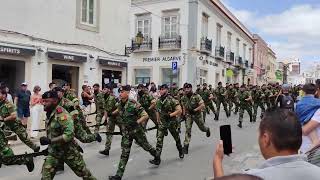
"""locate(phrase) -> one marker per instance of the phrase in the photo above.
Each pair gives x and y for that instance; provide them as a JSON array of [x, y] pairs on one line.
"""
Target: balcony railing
[[173, 43], [206, 45], [220, 52], [230, 57], [145, 46]]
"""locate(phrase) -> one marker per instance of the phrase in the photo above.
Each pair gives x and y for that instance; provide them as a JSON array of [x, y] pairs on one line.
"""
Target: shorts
[[23, 112]]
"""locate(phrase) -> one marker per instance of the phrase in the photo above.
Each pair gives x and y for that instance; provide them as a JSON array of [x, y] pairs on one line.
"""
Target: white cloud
[[293, 33]]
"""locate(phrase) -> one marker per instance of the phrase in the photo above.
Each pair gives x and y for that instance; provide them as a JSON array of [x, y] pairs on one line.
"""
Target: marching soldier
[[148, 103], [231, 97], [99, 102], [111, 119], [174, 90], [207, 98], [168, 109], [9, 115], [244, 104], [60, 140], [220, 93], [192, 106], [258, 101], [268, 94], [69, 93], [132, 117]]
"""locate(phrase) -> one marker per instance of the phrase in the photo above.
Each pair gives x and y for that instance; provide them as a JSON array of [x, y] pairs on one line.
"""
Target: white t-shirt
[[306, 142]]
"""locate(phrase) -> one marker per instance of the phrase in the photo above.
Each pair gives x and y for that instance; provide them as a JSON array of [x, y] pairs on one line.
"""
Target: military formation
[[65, 121]]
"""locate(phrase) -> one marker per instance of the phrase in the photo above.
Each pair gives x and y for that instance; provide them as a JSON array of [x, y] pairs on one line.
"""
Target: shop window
[[169, 77], [142, 76]]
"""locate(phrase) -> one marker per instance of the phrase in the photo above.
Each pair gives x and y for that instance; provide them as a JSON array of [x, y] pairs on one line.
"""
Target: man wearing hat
[[22, 102], [9, 116], [132, 117], [244, 104], [60, 140], [207, 97], [148, 102], [168, 109], [111, 119], [193, 106], [221, 99], [174, 90]]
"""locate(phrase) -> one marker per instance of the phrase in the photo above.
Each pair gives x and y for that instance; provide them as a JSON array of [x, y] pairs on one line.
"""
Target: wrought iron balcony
[[173, 43], [206, 45], [145, 46], [230, 57], [220, 52]]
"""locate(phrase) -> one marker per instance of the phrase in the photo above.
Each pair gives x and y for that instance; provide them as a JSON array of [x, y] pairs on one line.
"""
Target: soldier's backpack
[[287, 102]]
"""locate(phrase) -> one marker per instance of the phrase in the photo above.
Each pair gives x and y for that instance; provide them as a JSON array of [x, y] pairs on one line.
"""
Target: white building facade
[[79, 42], [202, 37]]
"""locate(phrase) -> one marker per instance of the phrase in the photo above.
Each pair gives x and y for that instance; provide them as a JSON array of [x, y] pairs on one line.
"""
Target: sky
[[290, 27]]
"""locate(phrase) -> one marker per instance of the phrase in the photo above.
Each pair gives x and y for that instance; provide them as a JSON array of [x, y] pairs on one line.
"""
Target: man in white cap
[[22, 101]]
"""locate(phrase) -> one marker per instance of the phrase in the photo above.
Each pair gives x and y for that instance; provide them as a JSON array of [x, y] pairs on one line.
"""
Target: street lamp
[[135, 45]]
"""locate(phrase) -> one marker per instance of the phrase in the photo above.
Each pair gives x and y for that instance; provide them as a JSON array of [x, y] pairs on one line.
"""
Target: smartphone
[[225, 136]]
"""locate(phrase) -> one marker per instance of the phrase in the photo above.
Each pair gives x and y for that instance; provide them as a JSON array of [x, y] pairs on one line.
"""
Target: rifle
[[36, 154], [120, 133]]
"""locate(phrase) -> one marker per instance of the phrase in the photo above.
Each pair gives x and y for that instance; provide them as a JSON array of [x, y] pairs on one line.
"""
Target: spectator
[[86, 96], [239, 177], [9, 97], [280, 137], [36, 110], [22, 102], [309, 110], [285, 99], [52, 85], [133, 94]]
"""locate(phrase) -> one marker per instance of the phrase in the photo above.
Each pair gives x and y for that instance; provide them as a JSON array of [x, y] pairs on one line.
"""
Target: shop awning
[[106, 62], [71, 57], [18, 51]]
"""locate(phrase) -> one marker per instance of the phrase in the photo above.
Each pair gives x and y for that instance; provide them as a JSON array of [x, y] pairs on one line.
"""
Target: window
[[250, 54], [88, 15], [238, 47], [204, 28], [168, 77], [219, 27], [229, 41], [88, 11], [142, 76], [203, 76], [170, 26], [144, 26], [244, 51]]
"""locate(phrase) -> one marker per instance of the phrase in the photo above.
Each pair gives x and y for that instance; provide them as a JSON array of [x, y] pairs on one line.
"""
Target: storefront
[[66, 68], [112, 72], [14, 66]]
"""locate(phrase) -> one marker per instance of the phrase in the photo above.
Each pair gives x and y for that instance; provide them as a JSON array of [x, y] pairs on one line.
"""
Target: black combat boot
[[186, 149], [252, 120], [216, 117], [180, 149], [104, 152], [208, 133], [30, 164], [98, 137], [240, 124], [156, 161], [116, 177]]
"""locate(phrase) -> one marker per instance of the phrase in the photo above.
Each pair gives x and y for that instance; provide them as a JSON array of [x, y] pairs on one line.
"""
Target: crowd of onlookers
[[288, 141]]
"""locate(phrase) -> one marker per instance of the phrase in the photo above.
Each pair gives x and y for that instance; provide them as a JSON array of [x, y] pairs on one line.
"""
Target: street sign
[[174, 67]]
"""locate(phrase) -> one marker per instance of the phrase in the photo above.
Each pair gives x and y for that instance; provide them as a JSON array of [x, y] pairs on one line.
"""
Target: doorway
[[62, 74], [12, 74], [111, 77]]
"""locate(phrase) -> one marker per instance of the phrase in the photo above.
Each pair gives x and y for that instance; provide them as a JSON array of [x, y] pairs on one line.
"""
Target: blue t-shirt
[[23, 99]]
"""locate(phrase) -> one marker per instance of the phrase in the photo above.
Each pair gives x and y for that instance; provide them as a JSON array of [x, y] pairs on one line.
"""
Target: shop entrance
[[12, 73], [66, 74], [111, 77]]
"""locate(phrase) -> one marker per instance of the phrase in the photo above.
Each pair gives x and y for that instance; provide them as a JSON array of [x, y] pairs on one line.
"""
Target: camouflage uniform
[[208, 103], [258, 101], [220, 99], [129, 113], [189, 104], [70, 94], [99, 101], [174, 92], [8, 109], [267, 101], [145, 101], [164, 107], [60, 126], [6, 154], [231, 98], [81, 117], [244, 105], [110, 106]]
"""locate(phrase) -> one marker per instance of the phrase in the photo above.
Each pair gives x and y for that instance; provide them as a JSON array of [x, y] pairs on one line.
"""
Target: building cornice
[[146, 2]]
